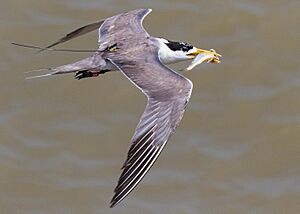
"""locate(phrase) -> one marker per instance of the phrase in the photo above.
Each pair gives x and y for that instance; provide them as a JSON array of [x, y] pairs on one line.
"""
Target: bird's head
[[172, 52]]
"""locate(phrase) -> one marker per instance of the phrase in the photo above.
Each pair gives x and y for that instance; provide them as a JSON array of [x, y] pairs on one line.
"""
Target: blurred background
[[237, 150]]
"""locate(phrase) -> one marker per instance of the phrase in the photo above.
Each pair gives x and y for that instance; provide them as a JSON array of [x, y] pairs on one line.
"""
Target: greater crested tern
[[124, 45]]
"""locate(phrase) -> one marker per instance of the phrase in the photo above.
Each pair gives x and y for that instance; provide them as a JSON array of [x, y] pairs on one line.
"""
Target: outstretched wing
[[112, 25], [168, 94]]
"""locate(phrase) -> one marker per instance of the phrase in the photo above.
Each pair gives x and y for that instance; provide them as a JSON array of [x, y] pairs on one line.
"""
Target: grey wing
[[168, 94], [109, 26], [78, 32], [123, 26], [155, 127]]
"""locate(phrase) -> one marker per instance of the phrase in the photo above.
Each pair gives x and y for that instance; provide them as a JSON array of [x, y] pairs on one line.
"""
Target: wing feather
[[168, 94], [108, 27], [76, 33]]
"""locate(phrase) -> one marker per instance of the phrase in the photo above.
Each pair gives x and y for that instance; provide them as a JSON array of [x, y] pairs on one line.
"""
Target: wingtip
[[113, 203], [149, 10], [115, 200]]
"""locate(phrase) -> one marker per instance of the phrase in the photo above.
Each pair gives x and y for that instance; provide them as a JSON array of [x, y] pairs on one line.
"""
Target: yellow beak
[[213, 56]]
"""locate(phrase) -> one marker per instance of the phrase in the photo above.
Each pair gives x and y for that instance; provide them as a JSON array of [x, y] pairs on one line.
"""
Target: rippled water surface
[[236, 151]]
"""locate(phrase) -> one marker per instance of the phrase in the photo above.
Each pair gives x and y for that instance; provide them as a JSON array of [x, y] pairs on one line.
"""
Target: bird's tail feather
[[43, 75], [91, 63]]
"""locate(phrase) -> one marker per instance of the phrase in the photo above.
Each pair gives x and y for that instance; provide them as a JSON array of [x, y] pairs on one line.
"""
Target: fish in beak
[[201, 55]]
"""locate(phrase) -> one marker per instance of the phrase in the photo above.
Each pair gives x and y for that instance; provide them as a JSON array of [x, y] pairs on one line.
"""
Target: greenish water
[[236, 150]]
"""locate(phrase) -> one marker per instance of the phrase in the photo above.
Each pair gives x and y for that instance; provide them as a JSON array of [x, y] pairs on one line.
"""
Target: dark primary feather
[[78, 32], [157, 123]]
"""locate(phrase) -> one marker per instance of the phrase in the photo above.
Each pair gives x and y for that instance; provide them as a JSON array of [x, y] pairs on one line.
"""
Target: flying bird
[[124, 45]]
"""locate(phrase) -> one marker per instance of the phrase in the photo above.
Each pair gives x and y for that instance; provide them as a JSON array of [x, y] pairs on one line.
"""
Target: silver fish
[[210, 57]]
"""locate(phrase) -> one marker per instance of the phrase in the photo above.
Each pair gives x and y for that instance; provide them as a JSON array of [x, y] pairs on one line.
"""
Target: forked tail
[[93, 63]]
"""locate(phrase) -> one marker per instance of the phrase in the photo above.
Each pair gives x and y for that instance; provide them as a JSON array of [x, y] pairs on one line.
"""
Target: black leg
[[87, 73]]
